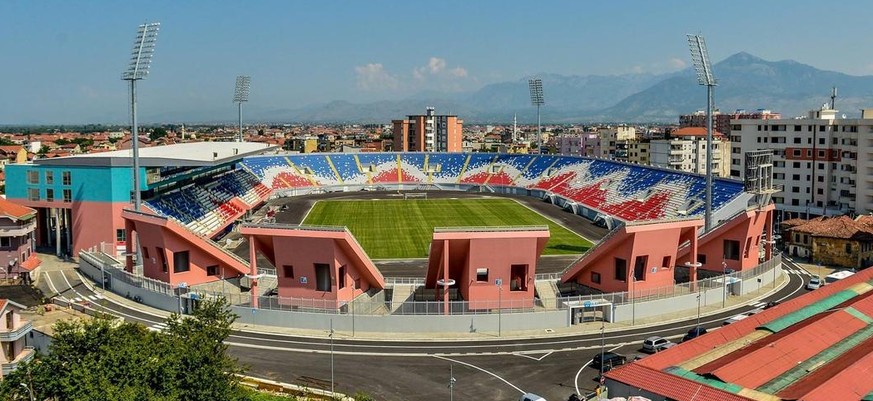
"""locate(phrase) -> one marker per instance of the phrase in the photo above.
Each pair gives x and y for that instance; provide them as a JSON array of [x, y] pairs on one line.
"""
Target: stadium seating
[[626, 191]]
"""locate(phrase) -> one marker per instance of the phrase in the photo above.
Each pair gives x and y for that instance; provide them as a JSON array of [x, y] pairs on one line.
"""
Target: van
[[531, 397], [837, 276]]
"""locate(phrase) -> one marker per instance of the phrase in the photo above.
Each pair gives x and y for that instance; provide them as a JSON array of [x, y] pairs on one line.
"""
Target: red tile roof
[[14, 210], [836, 227], [31, 263], [668, 385], [693, 131]]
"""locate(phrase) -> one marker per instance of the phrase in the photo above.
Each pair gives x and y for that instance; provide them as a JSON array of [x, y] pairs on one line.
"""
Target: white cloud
[[436, 65], [373, 77], [458, 72], [677, 63]]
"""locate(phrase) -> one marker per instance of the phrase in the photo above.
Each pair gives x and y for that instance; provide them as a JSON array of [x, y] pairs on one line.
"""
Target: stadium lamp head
[[241, 92], [700, 59], [141, 54], [536, 91]]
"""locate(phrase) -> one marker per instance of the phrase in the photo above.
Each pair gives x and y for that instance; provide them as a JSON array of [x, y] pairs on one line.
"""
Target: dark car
[[694, 333], [771, 304], [610, 360]]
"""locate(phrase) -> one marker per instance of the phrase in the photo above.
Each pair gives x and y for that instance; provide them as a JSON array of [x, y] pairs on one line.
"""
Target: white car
[[741, 316], [654, 344], [531, 397], [814, 283]]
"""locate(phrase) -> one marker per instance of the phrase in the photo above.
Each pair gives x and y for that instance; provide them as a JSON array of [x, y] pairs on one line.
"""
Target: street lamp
[[240, 95], [140, 60], [698, 307], [700, 59], [452, 382], [536, 99], [29, 391], [499, 283], [602, 342], [331, 357], [725, 278]]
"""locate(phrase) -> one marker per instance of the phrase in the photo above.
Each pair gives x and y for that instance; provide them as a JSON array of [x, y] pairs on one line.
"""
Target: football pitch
[[399, 229]]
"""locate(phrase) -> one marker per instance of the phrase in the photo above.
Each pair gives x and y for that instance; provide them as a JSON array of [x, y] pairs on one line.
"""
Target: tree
[[105, 359], [158, 132]]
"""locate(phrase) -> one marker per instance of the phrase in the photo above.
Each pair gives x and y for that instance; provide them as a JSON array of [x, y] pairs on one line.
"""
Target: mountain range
[[744, 82]]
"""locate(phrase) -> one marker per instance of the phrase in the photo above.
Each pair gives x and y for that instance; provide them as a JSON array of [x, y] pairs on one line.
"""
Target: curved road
[[499, 369]]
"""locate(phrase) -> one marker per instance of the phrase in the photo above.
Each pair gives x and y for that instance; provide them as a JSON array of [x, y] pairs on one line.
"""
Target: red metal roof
[[663, 383], [847, 377], [14, 210], [31, 263], [776, 357]]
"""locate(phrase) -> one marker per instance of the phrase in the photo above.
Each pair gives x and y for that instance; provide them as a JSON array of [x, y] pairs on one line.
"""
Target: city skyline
[[64, 61]]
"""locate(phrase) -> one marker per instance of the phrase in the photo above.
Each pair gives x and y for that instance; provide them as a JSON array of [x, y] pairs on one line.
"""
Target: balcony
[[18, 231], [12, 335], [26, 355]]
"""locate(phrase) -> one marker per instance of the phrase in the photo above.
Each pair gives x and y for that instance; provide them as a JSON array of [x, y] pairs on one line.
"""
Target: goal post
[[414, 195]]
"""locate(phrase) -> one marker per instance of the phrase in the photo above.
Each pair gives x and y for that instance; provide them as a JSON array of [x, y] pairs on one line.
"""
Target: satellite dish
[[844, 116]]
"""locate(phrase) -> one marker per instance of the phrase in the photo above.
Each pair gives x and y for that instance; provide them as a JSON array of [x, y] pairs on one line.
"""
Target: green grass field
[[396, 229]]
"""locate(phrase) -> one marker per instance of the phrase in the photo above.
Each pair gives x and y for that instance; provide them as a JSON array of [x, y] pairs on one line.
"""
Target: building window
[[33, 194], [163, 257], [5, 242], [49, 195], [342, 277], [620, 269], [33, 177], [731, 249], [120, 235], [68, 195], [640, 267], [288, 271], [145, 253], [848, 248], [595, 277], [66, 179], [322, 277], [666, 262], [482, 274], [49, 177], [181, 263], [212, 270]]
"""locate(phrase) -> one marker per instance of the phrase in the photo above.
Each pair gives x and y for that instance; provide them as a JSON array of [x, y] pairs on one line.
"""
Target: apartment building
[[639, 152], [428, 133], [13, 337], [722, 121], [614, 141], [578, 144], [824, 163], [685, 150]]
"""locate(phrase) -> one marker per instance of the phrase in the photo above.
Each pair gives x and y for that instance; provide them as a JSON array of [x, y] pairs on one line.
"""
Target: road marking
[[52, 285], [481, 370], [524, 354], [576, 379], [159, 327]]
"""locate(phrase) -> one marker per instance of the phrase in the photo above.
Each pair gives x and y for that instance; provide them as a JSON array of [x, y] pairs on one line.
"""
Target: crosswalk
[[796, 272], [759, 304], [86, 298], [159, 327]]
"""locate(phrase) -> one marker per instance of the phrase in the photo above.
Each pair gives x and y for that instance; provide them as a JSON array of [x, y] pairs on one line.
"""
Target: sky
[[61, 61]]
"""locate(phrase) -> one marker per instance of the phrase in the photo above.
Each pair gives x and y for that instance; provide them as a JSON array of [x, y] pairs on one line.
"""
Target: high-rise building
[[819, 160], [722, 121], [685, 150], [428, 133]]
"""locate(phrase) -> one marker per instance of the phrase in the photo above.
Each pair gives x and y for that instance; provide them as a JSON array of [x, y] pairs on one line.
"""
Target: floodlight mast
[[140, 61], [536, 99], [703, 67], [240, 95]]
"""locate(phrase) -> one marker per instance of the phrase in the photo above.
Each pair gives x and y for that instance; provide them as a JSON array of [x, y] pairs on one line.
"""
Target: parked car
[[531, 397], [814, 283], [654, 344], [610, 360], [771, 304], [694, 333]]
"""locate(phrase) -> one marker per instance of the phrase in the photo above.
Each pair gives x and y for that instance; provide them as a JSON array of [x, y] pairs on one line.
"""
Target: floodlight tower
[[536, 99], [240, 95], [140, 60], [700, 58]]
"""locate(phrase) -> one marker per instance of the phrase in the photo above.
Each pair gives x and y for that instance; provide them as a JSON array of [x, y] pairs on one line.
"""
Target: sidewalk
[[732, 302]]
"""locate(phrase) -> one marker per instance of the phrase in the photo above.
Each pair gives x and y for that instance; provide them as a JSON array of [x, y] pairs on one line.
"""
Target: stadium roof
[[190, 154], [813, 347]]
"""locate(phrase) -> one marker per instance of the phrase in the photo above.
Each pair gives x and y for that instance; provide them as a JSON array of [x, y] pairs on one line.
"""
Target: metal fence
[[377, 304]]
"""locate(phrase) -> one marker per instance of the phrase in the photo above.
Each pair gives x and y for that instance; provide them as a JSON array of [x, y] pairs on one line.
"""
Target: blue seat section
[[414, 159], [377, 159], [346, 166], [317, 163], [480, 159], [259, 164], [181, 205], [639, 179], [517, 161], [539, 166], [451, 165]]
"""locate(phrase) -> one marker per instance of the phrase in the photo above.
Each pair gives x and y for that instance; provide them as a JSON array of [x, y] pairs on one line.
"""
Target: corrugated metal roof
[[845, 378], [668, 385], [806, 312], [776, 357]]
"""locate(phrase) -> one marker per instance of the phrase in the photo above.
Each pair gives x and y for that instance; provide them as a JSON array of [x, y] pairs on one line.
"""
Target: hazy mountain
[[744, 81], [748, 82]]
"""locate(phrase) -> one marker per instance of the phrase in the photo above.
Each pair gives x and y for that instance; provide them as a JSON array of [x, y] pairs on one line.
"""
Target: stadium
[[393, 233]]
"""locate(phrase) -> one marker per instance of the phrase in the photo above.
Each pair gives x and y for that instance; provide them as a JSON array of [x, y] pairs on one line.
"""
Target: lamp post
[[700, 59], [536, 99], [29, 391], [240, 95], [452, 382], [633, 300], [499, 283], [331, 357], [602, 343], [698, 307], [725, 278]]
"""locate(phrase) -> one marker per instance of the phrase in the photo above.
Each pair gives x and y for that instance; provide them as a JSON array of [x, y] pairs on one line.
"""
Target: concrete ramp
[[547, 291]]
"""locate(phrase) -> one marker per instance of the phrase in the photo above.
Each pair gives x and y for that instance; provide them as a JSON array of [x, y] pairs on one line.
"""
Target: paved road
[[400, 370]]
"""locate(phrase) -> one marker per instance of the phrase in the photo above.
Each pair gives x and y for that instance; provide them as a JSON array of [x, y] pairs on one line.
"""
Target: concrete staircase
[[402, 293], [547, 291]]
